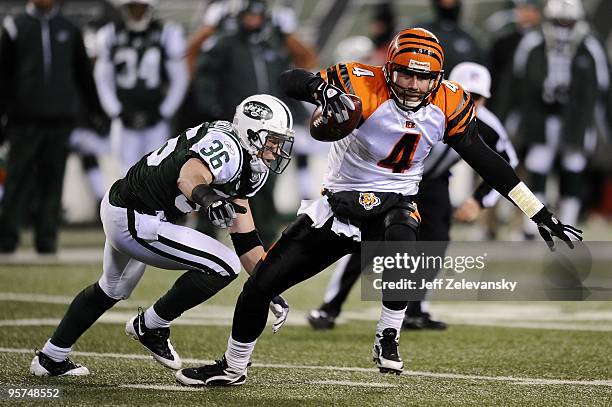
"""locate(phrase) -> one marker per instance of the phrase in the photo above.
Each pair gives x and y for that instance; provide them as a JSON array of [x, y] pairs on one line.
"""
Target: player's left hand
[[549, 226], [280, 309], [468, 211]]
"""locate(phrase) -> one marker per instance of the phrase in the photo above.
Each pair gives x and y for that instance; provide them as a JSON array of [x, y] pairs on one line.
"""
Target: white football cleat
[[43, 365]]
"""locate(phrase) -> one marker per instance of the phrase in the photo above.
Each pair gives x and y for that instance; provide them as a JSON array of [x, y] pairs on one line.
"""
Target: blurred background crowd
[[89, 86]]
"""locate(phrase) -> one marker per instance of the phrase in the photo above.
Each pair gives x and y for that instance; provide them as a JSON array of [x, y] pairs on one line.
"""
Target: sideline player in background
[[434, 204], [214, 167], [141, 77], [373, 176]]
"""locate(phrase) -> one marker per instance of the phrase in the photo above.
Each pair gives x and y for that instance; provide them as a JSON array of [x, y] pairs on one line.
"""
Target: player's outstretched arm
[[500, 175], [303, 85]]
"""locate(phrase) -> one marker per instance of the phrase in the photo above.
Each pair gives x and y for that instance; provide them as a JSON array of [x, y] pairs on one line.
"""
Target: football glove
[[280, 309], [333, 101], [223, 212], [549, 226]]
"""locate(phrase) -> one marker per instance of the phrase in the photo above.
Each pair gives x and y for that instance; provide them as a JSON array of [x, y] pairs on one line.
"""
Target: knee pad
[[401, 224]]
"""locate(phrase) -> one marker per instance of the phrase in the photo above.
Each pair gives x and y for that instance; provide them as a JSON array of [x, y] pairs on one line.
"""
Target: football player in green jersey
[[214, 167]]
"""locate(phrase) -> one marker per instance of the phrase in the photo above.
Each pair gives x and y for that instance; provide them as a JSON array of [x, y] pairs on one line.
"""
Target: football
[[331, 130]]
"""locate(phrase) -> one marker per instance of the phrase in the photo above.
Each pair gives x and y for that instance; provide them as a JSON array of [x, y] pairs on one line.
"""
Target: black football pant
[[35, 175], [435, 209], [300, 253]]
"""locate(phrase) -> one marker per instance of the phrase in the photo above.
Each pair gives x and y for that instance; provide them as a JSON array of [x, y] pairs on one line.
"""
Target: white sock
[[389, 319], [154, 321], [238, 354], [55, 353]]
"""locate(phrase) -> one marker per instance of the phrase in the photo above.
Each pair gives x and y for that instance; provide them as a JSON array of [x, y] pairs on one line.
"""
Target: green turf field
[[493, 353]]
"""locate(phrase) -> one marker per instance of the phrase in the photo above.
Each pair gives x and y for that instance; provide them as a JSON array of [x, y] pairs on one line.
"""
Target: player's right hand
[[223, 212], [333, 101], [549, 226]]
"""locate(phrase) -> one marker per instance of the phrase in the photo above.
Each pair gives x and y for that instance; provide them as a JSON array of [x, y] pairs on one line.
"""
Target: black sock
[[84, 310], [191, 289]]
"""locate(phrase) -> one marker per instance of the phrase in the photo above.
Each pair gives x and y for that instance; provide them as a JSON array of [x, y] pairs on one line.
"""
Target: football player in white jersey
[[373, 176], [214, 167], [141, 76]]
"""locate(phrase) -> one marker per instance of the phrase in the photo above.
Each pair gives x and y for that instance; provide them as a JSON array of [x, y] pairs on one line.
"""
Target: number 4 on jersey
[[400, 158]]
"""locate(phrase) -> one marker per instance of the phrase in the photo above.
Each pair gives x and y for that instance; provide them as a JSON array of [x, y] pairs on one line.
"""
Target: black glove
[[223, 212], [549, 226], [219, 210], [333, 100], [280, 309]]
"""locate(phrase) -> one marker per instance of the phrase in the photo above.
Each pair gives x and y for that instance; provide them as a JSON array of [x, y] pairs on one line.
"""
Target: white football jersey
[[387, 150]]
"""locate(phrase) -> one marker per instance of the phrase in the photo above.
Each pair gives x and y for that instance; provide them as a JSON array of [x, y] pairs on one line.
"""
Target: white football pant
[[134, 240]]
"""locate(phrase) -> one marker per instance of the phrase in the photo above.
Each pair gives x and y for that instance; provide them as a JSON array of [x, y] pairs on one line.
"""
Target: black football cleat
[[43, 365], [218, 374], [157, 341], [321, 320], [422, 321], [386, 352]]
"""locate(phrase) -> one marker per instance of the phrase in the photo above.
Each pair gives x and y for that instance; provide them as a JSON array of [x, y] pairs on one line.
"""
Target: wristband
[[522, 196], [204, 195], [245, 242]]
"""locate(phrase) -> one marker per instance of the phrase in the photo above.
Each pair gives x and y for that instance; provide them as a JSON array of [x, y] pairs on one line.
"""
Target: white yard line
[[161, 387], [456, 376], [508, 315], [203, 388], [352, 384]]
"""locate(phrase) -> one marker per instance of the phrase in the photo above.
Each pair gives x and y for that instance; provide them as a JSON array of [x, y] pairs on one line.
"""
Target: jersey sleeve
[[460, 113], [221, 154]]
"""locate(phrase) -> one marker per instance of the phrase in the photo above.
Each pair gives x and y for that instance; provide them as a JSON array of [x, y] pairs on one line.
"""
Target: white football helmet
[[564, 10], [474, 78], [265, 127], [143, 22]]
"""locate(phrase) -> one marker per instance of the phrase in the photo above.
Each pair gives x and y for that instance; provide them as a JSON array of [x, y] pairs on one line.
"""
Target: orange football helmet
[[414, 51]]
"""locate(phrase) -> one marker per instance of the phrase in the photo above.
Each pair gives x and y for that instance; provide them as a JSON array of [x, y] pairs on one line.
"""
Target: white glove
[[280, 309]]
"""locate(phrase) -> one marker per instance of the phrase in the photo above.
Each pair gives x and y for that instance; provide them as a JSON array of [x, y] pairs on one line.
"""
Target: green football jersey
[[153, 179]]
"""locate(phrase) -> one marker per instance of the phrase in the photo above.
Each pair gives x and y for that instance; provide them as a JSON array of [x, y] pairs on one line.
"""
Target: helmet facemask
[[410, 98], [272, 148]]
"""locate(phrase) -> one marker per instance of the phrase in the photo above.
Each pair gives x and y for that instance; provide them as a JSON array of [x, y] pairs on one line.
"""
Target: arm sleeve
[[499, 142], [104, 73], [493, 169], [299, 84], [174, 46]]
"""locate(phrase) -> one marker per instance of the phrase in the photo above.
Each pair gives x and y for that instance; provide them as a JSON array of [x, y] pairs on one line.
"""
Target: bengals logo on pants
[[368, 200]]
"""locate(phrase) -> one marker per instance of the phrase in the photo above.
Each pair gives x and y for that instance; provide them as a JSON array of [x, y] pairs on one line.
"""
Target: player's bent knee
[[254, 291], [400, 225], [115, 291]]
